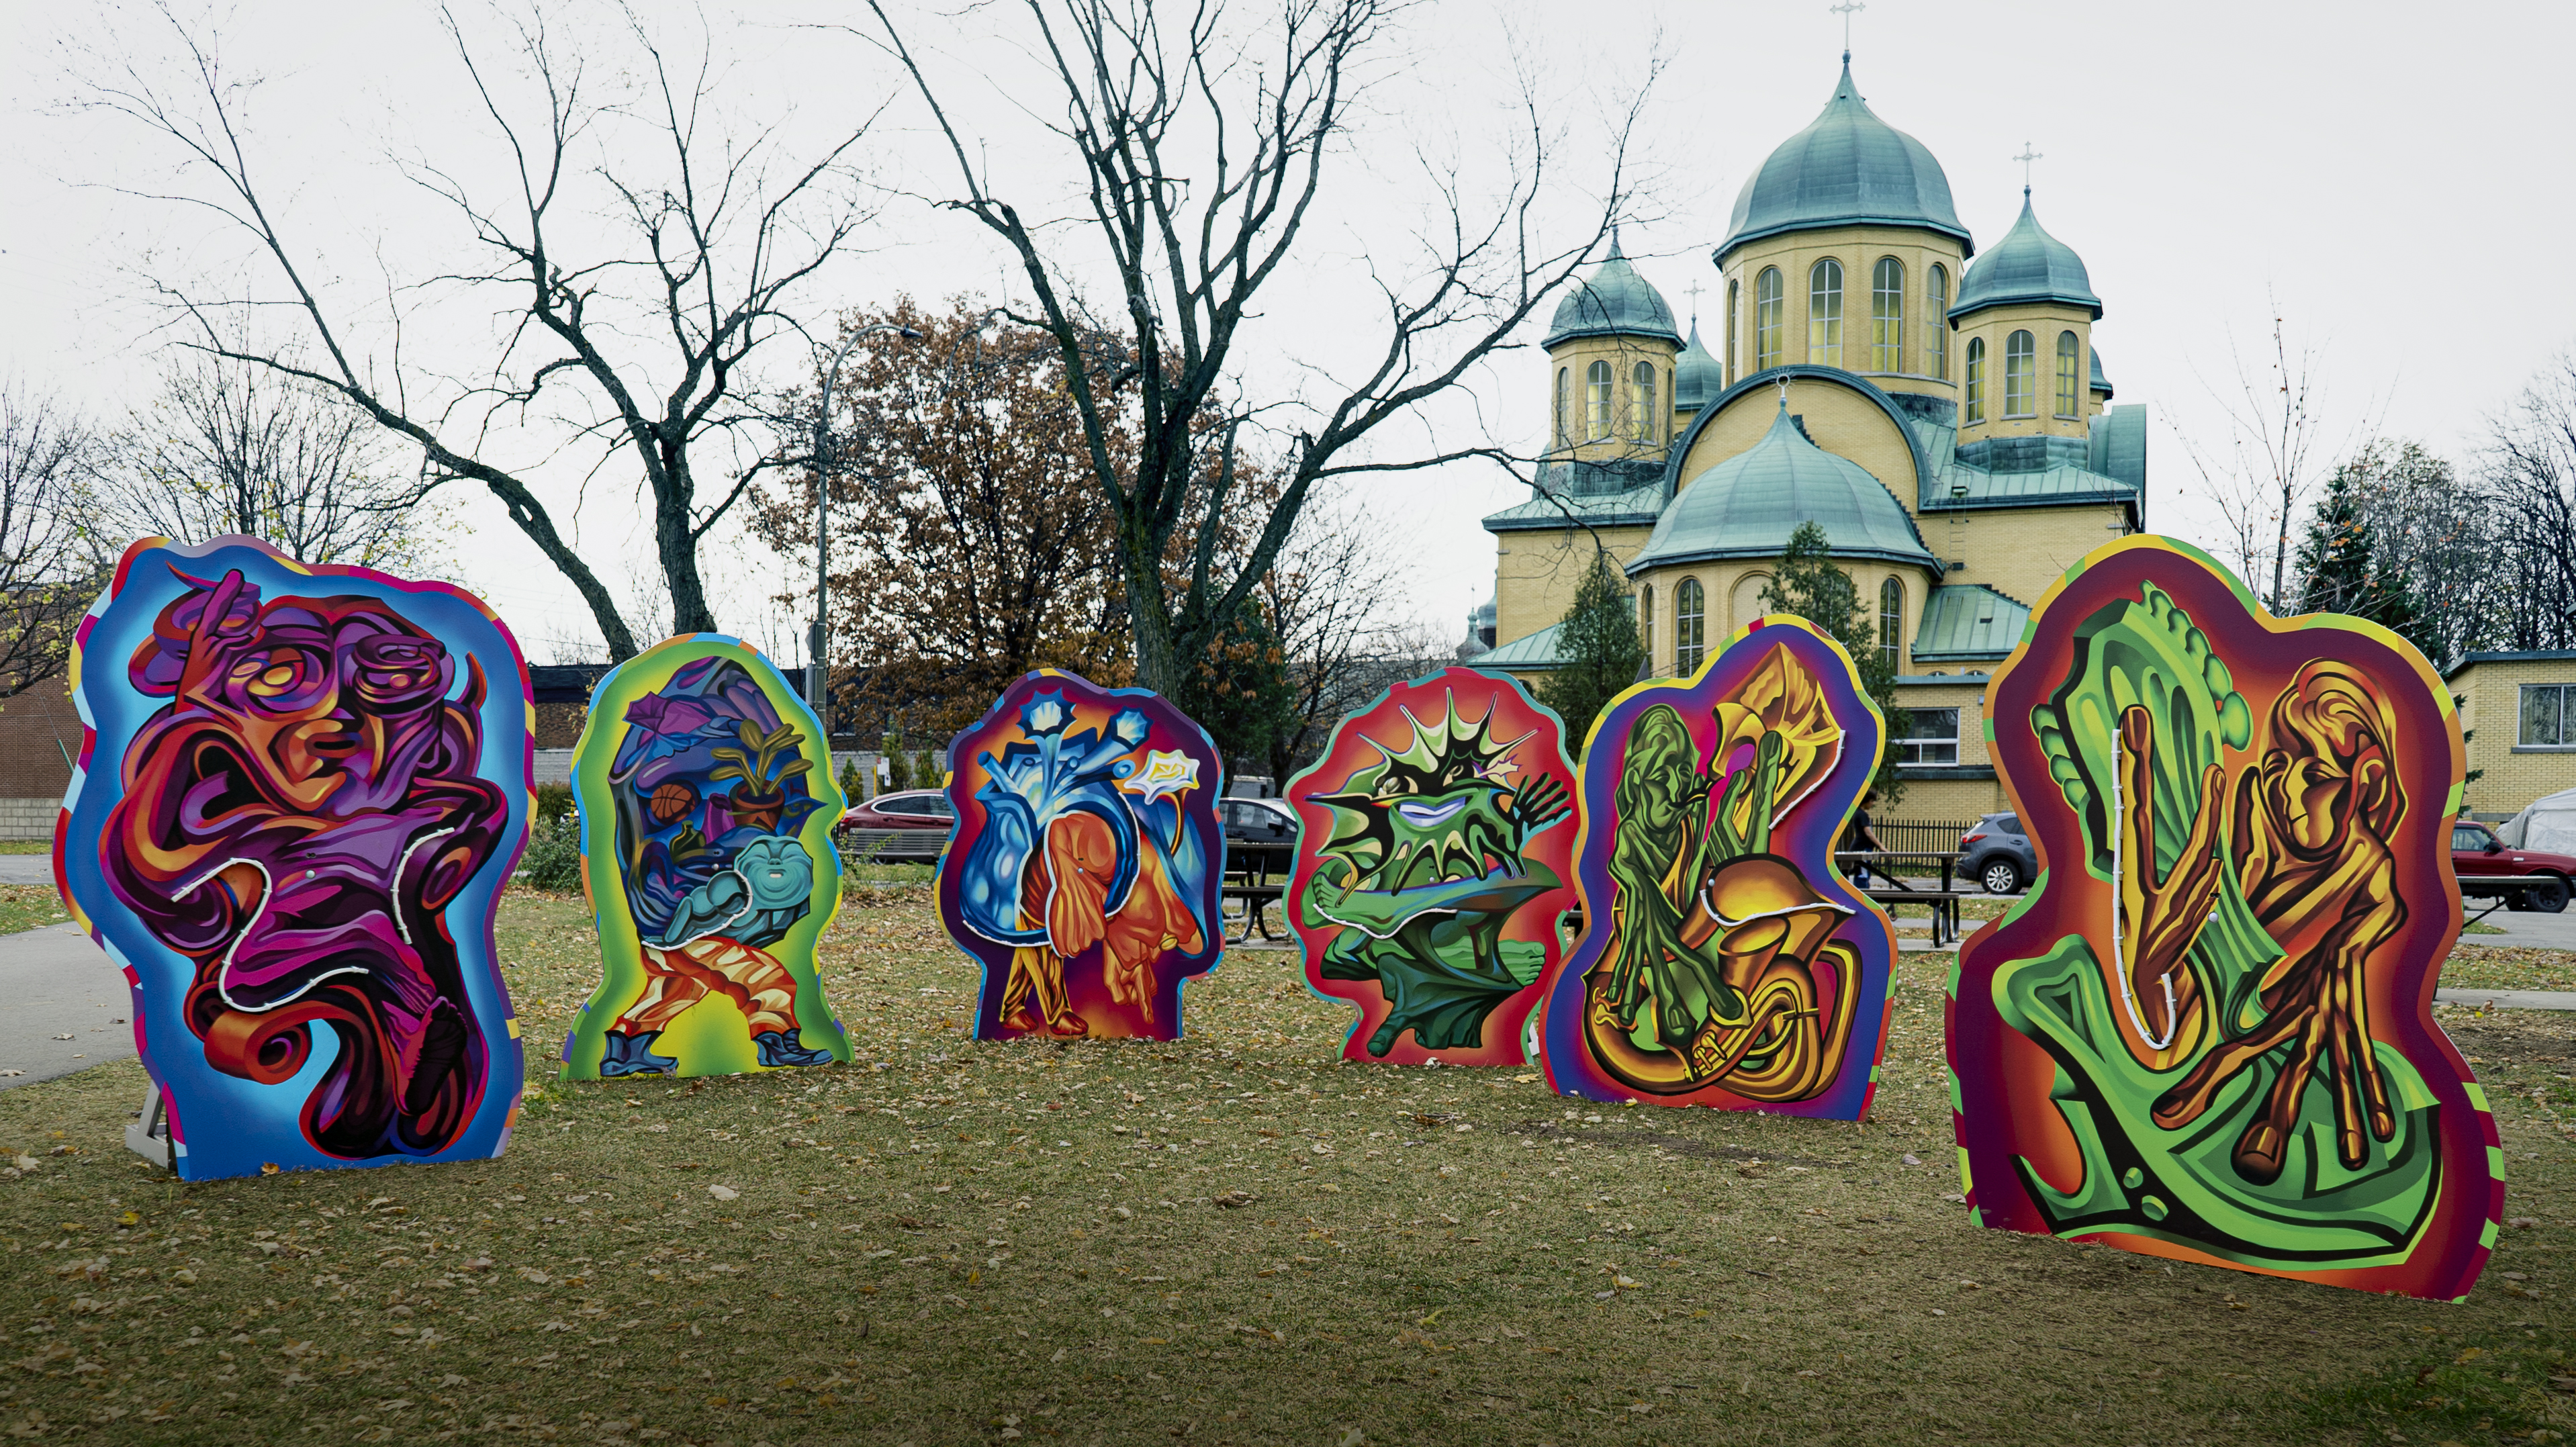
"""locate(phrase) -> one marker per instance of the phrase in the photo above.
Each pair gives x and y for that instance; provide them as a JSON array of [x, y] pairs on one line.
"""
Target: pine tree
[[1808, 583], [2339, 559], [1597, 648]]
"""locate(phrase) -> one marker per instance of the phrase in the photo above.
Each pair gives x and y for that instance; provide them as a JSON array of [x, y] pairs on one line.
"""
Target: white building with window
[[1942, 414]]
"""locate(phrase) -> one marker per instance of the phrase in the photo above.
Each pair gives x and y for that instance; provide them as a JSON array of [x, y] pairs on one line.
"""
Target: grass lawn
[[1233, 1239], [30, 906]]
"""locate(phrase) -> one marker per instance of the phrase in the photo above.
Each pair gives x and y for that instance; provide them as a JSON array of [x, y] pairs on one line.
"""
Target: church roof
[[1697, 375], [1614, 301], [1968, 622], [1582, 503], [2108, 465], [1748, 505], [1847, 167], [2101, 383], [1538, 650], [2028, 265]]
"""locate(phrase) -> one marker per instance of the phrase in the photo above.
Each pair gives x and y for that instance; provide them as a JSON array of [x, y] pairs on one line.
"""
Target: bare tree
[[227, 447], [652, 339], [2433, 534], [2530, 477], [46, 582], [1333, 602], [1201, 148], [2273, 455]]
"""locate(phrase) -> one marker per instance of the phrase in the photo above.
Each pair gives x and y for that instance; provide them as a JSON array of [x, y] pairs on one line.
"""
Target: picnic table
[[1944, 902], [1257, 874]]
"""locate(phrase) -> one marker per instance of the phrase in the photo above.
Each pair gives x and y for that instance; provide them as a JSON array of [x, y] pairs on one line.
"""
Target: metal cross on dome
[[1845, 10], [1693, 291], [2026, 157]]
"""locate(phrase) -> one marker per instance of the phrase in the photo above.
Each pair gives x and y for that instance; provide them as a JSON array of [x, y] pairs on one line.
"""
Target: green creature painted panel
[[2207, 1033], [707, 852], [1435, 858]]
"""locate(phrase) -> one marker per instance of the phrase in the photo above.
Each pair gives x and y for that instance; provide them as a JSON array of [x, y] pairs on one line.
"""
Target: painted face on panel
[[2207, 1034], [1084, 872], [1725, 961], [1434, 861], [706, 830], [313, 772]]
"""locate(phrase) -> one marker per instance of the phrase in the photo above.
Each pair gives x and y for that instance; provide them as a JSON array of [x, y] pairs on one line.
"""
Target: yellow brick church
[[1940, 411]]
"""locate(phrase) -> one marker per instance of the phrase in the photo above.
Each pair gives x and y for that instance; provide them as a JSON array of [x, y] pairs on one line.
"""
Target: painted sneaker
[[633, 1055], [777, 1047]]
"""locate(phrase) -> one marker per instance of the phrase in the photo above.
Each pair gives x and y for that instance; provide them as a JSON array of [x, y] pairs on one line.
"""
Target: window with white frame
[[1931, 737]]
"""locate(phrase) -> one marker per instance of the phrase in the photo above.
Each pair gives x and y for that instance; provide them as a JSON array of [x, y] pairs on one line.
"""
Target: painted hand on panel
[[2311, 821]]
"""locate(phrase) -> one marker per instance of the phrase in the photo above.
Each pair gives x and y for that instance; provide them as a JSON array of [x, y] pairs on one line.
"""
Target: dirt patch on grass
[[1234, 1238]]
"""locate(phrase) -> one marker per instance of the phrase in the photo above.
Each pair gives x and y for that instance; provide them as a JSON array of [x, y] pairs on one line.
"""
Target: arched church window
[[1976, 400], [1646, 619], [1891, 621], [1563, 379], [2021, 359], [1936, 322], [1768, 304], [2068, 370], [1887, 316], [1825, 313], [1732, 366], [1649, 420], [1690, 625], [1596, 402]]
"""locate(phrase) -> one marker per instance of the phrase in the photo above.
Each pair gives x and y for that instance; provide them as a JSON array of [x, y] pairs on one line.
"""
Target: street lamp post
[[816, 696]]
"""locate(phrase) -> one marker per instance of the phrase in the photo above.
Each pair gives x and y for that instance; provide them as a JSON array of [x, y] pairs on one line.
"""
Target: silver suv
[[1997, 854]]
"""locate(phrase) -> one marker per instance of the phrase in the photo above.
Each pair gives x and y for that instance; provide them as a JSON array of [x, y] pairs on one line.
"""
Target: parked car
[[2478, 856], [1997, 855], [1259, 821], [909, 809]]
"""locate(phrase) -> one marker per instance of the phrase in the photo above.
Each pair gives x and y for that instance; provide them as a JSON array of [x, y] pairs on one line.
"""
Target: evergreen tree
[[1808, 583], [2339, 561], [1598, 651]]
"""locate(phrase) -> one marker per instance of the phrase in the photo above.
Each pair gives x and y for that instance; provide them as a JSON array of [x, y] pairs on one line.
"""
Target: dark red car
[[2479, 858], [909, 809]]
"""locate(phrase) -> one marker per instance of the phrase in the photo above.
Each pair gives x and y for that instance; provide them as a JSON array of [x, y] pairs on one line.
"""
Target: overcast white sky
[[2398, 178]]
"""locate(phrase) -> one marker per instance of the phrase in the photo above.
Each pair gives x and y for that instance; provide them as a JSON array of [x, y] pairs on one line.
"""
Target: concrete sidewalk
[[26, 869], [60, 984], [2524, 931]]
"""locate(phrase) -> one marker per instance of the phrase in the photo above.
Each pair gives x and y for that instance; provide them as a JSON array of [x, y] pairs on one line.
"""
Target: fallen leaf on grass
[[724, 1193]]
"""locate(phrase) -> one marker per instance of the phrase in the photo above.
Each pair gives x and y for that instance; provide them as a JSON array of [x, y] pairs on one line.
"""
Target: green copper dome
[[1748, 505], [2028, 265], [1697, 376], [1846, 168], [2100, 383], [1613, 302]]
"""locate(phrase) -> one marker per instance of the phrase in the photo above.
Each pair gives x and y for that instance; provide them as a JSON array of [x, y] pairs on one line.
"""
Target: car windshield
[[2468, 836]]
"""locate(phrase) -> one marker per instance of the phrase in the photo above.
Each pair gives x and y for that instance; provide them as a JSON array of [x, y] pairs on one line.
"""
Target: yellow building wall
[[1995, 327], [1575, 438], [1952, 800], [2020, 552], [1536, 573], [1858, 248], [1838, 419], [2491, 713], [1732, 593]]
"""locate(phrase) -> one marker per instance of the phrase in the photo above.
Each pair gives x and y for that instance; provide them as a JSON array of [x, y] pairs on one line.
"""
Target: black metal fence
[[1924, 835]]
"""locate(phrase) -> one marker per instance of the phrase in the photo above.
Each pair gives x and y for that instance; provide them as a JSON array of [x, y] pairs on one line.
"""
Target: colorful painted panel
[[706, 839], [1725, 960], [1084, 870], [300, 791], [1435, 858], [2207, 1034]]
